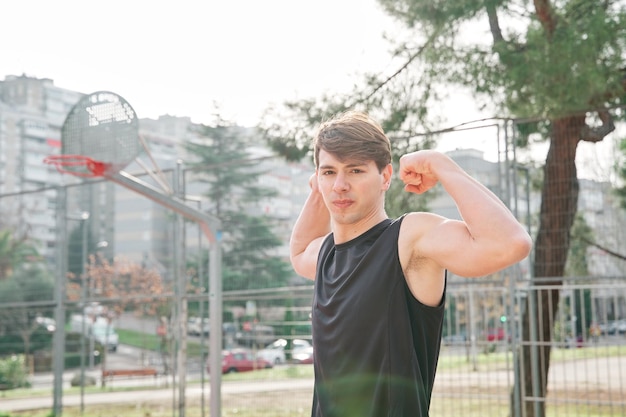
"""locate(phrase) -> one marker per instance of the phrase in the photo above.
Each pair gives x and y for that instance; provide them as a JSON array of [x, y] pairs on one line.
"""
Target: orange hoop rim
[[72, 164]]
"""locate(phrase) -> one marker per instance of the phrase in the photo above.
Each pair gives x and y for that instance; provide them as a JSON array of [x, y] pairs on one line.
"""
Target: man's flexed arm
[[312, 226], [487, 239]]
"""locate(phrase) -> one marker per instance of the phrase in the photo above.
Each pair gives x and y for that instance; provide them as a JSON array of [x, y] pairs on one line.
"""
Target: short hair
[[353, 135]]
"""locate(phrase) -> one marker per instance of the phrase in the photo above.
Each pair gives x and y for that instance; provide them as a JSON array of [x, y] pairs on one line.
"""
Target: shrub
[[13, 372]]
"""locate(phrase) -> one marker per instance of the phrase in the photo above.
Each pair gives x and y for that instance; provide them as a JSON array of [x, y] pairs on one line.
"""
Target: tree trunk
[[559, 200]]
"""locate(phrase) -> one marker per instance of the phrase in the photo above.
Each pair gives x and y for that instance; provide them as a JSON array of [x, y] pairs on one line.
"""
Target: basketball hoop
[[78, 165], [99, 138]]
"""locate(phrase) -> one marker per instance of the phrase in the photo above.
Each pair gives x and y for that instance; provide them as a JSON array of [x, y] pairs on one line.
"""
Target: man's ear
[[387, 175]]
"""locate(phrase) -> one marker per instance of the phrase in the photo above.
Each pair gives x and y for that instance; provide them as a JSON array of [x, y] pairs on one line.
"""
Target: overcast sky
[[179, 58]]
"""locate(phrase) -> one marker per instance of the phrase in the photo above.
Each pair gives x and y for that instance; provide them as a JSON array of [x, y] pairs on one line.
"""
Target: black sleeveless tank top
[[375, 346]]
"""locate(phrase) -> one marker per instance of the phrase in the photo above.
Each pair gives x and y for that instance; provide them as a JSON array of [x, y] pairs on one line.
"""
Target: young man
[[379, 282]]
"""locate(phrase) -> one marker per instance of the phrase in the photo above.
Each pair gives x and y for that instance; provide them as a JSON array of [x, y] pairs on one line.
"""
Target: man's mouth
[[342, 204]]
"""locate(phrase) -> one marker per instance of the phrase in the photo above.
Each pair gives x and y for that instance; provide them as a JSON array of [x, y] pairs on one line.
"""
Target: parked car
[[101, 329], [302, 351], [276, 352], [613, 327], [495, 334], [241, 360], [197, 326]]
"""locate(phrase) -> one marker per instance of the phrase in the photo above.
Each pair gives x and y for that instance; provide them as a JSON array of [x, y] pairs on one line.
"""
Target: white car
[[197, 326], [275, 352]]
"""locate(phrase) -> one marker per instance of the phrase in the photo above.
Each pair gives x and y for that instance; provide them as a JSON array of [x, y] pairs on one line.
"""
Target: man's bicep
[[436, 238], [453, 247]]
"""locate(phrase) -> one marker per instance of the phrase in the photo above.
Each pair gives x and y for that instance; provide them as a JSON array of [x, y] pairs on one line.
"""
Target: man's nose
[[341, 183]]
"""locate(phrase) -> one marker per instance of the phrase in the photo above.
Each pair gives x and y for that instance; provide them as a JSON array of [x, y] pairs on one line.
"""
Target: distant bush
[[72, 358], [12, 343], [13, 373]]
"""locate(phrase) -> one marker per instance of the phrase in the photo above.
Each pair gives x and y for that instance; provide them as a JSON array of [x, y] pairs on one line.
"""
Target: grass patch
[[465, 362], [298, 403]]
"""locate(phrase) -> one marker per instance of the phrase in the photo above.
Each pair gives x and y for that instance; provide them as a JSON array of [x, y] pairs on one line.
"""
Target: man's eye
[[327, 172]]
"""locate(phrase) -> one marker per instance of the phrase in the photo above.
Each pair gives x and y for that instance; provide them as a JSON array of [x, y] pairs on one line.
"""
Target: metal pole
[[534, 348], [58, 341], [215, 312], [83, 224], [181, 299], [472, 328], [99, 246], [201, 313]]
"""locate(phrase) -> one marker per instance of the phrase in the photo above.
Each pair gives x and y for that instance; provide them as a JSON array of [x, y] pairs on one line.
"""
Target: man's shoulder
[[420, 220], [415, 225]]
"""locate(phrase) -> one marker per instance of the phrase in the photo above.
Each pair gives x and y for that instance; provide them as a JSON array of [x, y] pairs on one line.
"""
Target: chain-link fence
[[123, 277]]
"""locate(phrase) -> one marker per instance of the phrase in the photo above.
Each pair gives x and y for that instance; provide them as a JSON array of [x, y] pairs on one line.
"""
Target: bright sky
[[180, 58]]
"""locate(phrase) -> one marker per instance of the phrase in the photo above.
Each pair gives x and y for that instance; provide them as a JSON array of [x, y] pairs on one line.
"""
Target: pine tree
[[231, 175]]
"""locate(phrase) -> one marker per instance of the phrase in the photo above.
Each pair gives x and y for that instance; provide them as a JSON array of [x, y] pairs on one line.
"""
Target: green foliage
[[75, 243], [20, 333], [13, 372], [531, 129], [73, 345], [570, 63], [40, 339], [14, 251], [437, 12]]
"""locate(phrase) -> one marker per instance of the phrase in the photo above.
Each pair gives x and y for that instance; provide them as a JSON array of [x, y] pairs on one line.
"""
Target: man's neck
[[344, 232]]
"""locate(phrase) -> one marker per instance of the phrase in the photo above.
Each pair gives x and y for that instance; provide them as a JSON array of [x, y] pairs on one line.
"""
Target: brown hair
[[353, 135]]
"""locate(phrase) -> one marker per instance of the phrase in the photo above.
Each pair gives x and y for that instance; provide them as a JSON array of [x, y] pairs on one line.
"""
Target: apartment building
[[122, 223], [32, 112]]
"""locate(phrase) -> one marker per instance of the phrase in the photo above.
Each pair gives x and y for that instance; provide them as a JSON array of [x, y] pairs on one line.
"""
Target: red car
[[241, 360], [494, 335]]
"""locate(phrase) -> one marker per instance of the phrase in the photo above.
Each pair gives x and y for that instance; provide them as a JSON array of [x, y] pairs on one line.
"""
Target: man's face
[[352, 190]]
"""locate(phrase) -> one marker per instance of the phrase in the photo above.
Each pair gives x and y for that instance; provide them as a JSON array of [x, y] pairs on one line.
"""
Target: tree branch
[[402, 68], [596, 134], [494, 23], [602, 248], [546, 16]]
